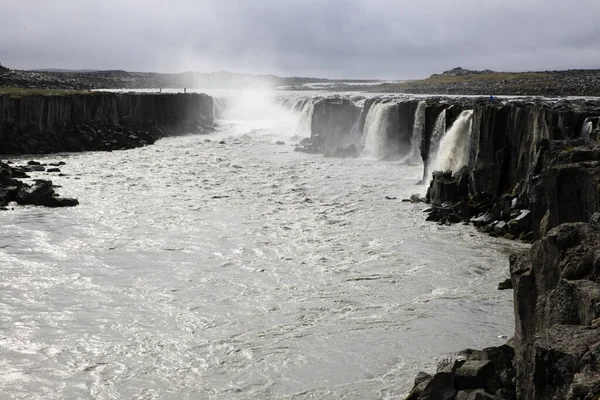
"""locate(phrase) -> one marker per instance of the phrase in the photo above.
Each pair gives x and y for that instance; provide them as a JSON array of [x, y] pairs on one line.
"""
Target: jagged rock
[[474, 374], [557, 297], [440, 387], [41, 193], [482, 219], [506, 284], [421, 382], [501, 228]]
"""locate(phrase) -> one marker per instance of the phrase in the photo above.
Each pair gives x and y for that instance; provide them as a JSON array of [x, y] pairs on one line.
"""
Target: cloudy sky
[[327, 38]]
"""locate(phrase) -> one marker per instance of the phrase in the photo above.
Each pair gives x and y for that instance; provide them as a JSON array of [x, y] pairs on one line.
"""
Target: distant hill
[[61, 70], [53, 78], [575, 82], [459, 71]]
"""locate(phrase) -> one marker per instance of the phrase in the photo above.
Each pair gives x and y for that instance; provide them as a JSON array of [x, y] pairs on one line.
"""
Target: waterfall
[[219, 107], [453, 150], [377, 124], [438, 132], [417, 133], [304, 124], [586, 130]]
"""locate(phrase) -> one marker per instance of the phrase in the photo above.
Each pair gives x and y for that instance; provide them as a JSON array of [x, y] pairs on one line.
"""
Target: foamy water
[[194, 269]]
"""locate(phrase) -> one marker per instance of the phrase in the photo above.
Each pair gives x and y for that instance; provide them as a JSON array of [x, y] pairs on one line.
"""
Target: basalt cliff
[[523, 169], [38, 124]]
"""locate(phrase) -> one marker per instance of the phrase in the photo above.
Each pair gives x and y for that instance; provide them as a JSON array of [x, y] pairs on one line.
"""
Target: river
[[226, 266]]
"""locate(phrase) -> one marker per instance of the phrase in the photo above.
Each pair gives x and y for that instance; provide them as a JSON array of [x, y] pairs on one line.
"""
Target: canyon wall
[[36, 124]]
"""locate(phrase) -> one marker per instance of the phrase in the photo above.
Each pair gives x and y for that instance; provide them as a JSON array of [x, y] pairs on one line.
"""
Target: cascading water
[[417, 133], [586, 130], [453, 150], [303, 127], [377, 124], [439, 130]]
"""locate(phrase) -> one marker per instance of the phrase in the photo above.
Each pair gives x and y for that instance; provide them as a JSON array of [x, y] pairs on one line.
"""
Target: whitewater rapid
[[227, 266]]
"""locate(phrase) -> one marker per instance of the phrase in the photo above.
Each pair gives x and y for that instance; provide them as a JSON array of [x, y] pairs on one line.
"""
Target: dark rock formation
[[557, 306], [486, 374], [534, 172], [529, 169], [97, 121], [41, 193], [333, 124]]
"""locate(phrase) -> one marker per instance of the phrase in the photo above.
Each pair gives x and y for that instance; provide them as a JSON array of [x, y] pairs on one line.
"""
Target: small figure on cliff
[[491, 98], [184, 90]]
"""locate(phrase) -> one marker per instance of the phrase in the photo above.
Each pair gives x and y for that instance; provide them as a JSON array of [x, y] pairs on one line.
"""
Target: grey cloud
[[332, 38]]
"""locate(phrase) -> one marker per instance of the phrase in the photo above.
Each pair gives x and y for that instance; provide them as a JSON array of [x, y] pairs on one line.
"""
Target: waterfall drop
[[377, 125], [586, 130], [417, 133], [453, 150]]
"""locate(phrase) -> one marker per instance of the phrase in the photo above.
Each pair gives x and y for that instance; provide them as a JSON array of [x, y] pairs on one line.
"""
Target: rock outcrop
[[557, 311], [36, 124], [41, 193], [534, 173]]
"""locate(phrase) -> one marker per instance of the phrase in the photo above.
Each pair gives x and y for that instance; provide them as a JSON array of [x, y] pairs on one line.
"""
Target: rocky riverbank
[[38, 124], [40, 193]]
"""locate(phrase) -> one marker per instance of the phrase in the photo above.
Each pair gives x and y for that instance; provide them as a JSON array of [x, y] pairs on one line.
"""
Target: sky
[[379, 39]]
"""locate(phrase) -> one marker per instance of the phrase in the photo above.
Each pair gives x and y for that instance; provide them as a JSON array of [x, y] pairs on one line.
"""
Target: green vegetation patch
[[15, 91]]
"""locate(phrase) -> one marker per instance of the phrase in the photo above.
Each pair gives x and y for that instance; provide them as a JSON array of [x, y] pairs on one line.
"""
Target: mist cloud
[[328, 38]]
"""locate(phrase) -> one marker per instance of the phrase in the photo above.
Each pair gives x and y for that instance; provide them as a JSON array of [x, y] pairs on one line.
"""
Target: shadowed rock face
[[97, 121], [557, 306]]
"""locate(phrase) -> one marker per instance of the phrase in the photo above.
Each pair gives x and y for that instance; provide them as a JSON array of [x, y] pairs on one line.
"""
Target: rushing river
[[226, 266]]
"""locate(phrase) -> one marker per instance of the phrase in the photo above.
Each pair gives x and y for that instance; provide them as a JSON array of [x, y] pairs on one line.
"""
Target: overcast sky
[[327, 38]]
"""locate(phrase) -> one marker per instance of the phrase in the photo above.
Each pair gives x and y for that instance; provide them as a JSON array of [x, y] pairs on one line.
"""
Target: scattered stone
[[53, 170], [392, 198], [280, 142]]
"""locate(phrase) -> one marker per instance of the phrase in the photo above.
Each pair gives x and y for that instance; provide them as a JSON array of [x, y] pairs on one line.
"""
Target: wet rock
[[506, 284], [35, 168], [501, 228], [41, 193], [421, 382], [415, 198], [482, 219]]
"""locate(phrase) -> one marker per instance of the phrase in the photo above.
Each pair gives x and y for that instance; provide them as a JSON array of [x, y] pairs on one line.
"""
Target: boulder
[[474, 374]]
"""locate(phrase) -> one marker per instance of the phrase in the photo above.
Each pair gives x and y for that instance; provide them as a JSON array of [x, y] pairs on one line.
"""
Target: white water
[[199, 270], [417, 136], [587, 128], [453, 150], [377, 125]]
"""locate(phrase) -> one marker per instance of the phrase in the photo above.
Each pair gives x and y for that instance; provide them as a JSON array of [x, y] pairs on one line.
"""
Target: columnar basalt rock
[[97, 121]]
